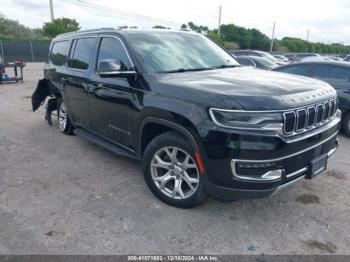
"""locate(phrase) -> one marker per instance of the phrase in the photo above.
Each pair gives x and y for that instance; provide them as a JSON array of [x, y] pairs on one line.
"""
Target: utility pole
[[307, 35], [220, 9], [51, 10], [273, 36]]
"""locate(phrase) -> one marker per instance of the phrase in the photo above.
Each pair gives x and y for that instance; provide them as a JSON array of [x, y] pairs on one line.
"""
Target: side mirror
[[112, 67], [109, 67]]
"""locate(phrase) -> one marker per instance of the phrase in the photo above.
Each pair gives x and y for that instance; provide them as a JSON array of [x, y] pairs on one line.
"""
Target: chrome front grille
[[302, 119]]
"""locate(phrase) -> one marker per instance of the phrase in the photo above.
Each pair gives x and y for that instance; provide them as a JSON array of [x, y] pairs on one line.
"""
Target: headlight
[[245, 119]]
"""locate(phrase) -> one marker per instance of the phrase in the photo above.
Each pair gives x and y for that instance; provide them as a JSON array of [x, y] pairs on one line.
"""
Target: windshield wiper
[[226, 66], [181, 70]]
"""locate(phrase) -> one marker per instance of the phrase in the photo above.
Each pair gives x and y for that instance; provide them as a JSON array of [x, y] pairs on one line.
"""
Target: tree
[[60, 26], [160, 27], [184, 27], [11, 29]]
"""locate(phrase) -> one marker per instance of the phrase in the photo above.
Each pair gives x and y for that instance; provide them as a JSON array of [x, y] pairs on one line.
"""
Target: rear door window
[[59, 53], [81, 53]]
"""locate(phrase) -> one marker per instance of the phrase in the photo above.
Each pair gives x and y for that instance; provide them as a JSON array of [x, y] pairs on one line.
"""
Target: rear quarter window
[[59, 53]]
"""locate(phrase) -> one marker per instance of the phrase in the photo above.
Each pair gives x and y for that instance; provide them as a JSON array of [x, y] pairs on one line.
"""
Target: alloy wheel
[[175, 173]]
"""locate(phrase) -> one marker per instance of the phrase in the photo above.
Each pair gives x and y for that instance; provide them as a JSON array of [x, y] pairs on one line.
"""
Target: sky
[[328, 21]]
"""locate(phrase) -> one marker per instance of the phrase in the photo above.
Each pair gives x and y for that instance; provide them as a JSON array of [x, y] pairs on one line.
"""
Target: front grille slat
[[306, 118], [289, 122], [301, 119], [319, 113], [325, 111], [311, 116]]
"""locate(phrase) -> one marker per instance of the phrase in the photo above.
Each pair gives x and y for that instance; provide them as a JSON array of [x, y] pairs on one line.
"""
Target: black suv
[[199, 121]]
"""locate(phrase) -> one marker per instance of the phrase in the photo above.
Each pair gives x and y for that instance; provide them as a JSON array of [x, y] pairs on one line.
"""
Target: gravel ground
[[63, 195]]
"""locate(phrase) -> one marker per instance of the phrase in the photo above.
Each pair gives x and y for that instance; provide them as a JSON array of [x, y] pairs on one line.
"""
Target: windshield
[[161, 52], [269, 57], [266, 62]]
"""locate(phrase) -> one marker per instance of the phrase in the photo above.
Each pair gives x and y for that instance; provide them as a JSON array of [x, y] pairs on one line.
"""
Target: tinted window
[[329, 72], [341, 73], [80, 56], [112, 48], [322, 71], [296, 69], [59, 53]]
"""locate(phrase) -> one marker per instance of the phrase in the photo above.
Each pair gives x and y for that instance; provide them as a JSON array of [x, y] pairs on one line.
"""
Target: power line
[[120, 12]]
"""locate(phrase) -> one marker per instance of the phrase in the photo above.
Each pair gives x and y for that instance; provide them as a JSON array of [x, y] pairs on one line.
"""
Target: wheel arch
[[163, 125]]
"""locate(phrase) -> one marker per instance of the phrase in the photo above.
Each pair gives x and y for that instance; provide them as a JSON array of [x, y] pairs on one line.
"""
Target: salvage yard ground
[[64, 195]]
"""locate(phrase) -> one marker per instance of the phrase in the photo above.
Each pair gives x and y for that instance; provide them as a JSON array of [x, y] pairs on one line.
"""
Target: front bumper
[[235, 194], [255, 167]]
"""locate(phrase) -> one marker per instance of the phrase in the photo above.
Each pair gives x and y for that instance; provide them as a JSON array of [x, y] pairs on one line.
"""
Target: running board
[[114, 148]]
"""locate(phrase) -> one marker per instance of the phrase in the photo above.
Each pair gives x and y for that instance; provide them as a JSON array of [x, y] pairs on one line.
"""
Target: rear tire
[[64, 122], [171, 172], [346, 124]]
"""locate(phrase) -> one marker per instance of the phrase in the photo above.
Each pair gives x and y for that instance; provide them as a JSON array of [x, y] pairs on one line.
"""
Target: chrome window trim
[[71, 52], [101, 36]]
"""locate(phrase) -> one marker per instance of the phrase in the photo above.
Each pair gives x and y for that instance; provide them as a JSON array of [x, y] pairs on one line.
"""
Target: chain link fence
[[25, 50]]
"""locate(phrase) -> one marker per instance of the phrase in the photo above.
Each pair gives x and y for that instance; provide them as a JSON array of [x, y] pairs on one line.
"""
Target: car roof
[[119, 31], [257, 58], [335, 63]]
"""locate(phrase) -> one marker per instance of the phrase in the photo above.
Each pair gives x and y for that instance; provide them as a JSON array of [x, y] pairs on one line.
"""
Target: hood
[[253, 89]]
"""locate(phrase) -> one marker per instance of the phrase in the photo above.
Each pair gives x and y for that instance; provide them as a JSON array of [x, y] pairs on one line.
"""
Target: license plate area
[[317, 166]]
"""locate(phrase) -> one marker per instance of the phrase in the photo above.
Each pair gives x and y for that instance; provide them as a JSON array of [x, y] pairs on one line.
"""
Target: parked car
[[260, 62], [245, 61], [300, 56], [347, 58], [200, 123], [336, 74], [257, 53], [281, 59]]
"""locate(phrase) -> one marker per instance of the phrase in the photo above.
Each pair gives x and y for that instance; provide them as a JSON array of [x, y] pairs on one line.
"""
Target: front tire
[[346, 124], [171, 172], [64, 122]]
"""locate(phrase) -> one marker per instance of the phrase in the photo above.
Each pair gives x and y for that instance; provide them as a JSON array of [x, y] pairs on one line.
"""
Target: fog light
[[256, 171], [256, 165]]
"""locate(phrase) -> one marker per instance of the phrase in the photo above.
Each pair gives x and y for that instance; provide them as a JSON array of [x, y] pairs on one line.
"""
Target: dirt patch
[[308, 199], [337, 174], [327, 247]]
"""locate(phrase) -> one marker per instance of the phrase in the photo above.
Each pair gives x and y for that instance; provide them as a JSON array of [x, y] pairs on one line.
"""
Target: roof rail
[[88, 30]]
